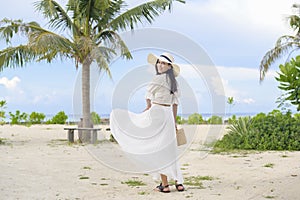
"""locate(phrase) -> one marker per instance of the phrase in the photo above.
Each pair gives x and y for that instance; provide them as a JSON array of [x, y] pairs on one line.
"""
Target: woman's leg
[[164, 186], [164, 179]]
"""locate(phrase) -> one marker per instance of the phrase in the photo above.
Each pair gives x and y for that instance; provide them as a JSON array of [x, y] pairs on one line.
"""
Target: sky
[[231, 36]]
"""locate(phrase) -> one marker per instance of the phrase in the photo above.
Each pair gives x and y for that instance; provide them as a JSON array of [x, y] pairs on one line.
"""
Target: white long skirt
[[149, 140]]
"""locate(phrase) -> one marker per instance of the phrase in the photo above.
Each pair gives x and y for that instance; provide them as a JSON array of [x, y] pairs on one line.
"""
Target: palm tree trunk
[[86, 108]]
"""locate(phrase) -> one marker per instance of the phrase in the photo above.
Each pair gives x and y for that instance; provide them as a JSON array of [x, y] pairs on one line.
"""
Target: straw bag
[[180, 135]]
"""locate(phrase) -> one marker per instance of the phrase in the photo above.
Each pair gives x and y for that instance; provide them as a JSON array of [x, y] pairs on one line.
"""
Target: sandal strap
[[161, 187], [179, 185]]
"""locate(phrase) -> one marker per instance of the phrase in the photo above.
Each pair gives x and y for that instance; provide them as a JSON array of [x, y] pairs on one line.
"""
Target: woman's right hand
[[146, 109]]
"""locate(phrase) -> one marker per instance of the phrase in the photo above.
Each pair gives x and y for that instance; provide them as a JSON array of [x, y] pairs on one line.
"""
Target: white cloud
[[10, 84], [238, 82], [247, 13], [243, 73], [248, 101]]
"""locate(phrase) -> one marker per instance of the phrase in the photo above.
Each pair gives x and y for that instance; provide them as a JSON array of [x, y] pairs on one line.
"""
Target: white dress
[[149, 138]]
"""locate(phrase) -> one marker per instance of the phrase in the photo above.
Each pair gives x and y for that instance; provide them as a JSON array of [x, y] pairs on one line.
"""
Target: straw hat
[[165, 57]]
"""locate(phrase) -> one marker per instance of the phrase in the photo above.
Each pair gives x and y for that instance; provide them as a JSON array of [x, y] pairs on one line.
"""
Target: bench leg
[[94, 137], [71, 136]]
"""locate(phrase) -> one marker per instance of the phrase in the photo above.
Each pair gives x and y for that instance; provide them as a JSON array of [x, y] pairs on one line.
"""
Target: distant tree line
[[19, 117]]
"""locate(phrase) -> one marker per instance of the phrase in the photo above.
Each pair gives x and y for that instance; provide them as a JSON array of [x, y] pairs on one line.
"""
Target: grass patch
[[87, 168], [196, 181], [2, 141], [103, 184], [134, 183], [186, 165], [269, 197], [143, 193], [269, 165], [206, 178], [7, 142], [239, 156], [188, 196], [237, 152], [84, 177]]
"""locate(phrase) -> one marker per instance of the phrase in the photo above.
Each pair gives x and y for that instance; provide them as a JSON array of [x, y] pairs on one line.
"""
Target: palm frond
[[58, 17], [88, 13], [241, 127], [50, 45], [16, 56], [144, 12], [9, 28], [44, 40], [113, 40], [102, 56], [283, 45], [108, 12]]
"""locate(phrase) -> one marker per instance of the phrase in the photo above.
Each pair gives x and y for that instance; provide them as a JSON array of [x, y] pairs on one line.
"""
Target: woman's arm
[[175, 107], [148, 106]]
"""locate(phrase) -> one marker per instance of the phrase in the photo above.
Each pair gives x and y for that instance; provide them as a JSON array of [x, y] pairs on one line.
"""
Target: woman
[[149, 138]]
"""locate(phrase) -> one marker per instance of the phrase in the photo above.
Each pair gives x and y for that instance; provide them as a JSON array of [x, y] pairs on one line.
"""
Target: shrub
[[232, 119], [18, 117], [2, 112], [237, 133], [297, 116], [59, 118], [215, 120], [95, 118], [274, 131], [195, 119], [289, 81], [36, 118], [180, 120]]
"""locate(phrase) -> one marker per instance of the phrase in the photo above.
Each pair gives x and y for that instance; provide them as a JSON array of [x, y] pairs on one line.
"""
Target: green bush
[[288, 78], [59, 118], [36, 118], [180, 120], [297, 116], [215, 120], [232, 119], [195, 119], [95, 118], [274, 131], [2, 112], [18, 117]]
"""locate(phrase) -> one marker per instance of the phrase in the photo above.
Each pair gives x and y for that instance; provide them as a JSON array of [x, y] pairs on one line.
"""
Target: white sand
[[36, 164]]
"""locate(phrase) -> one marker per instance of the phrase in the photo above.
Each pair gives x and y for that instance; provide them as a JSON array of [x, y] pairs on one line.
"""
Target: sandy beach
[[38, 163]]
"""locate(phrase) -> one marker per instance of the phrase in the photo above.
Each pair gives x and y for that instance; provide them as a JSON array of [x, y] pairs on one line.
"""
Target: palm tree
[[86, 31], [230, 101], [285, 44]]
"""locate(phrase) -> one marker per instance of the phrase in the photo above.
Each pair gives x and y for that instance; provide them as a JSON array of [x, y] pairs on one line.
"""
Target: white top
[[158, 91]]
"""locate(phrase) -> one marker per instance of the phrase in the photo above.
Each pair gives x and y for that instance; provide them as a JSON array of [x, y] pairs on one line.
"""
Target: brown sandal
[[161, 188]]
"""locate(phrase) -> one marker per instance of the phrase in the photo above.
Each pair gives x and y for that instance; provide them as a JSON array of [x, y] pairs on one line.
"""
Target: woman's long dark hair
[[170, 74]]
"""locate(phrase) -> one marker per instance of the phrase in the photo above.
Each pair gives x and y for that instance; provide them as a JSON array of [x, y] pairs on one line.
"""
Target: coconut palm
[[230, 101], [285, 44], [86, 31]]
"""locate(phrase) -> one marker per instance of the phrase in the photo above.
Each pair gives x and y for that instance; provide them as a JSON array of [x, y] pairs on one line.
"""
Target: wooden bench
[[72, 129]]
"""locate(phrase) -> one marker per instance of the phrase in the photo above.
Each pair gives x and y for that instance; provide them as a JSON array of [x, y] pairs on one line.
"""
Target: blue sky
[[234, 34]]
